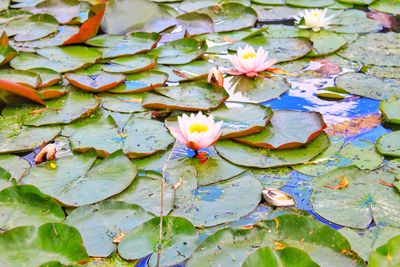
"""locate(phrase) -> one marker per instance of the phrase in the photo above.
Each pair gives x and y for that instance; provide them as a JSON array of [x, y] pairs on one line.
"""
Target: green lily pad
[[365, 242], [229, 247], [244, 155], [214, 170], [230, 16], [130, 64], [153, 162], [354, 21], [124, 103], [182, 73], [25, 205], [256, 90], [100, 223], [179, 241], [288, 256], [63, 33], [6, 51], [140, 137], [54, 58], [195, 23], [15, 165], [388, 144], [387, 6], [5, 179], [287, 129], [141, 82], [63, 10], [114, 45], [364, 199], [15, 137], [368, 86], [357, 2], [32, 246], [275, 13], [48, 77], [61, 110], [179, 52], [390, 109], [310, 3], [51, 92], [383, 71], [362, 154], [194, 5], [123, 16], [22, 77], [145, 191], [281, 49], [332, 93], [375, 49], [76, 181], [386, 255], [190, 96], [325, 42], [30, 28], [215, 204], [100, 82]]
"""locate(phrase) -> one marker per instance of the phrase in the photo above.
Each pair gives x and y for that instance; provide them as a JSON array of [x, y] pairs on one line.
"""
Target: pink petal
[[178, 135]]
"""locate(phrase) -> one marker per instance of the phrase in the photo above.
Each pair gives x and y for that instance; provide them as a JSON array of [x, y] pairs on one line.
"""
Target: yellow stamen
[[249, 55], [198, 127], [315, 14]]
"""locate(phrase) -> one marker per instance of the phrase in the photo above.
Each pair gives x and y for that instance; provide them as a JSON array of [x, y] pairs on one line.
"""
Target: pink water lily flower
[[249, 62], [197, 131]]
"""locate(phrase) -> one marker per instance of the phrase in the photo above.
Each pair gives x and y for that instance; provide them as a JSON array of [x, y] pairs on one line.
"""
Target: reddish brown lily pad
[[100, 82], [287, 129]]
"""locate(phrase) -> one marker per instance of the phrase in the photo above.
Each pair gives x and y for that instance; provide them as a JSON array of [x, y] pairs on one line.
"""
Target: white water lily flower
[[197, 131], [249, 62], [314, 19]]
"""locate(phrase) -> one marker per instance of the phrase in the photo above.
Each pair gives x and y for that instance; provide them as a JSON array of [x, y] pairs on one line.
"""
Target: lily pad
[[130, 64], [179, 241], [52, 92], [182, 73], [231, 247], [145, 191], [215, 204], [214, 170], [15, 165], [287, 129], [140, 137], [15, 137], [362, 154], [5, 179], [102, 222], [230, 16], [63, 10], [30, 28], [310, 3], [354, 21], [193, 5], [115, 45], [256, 90], [25, 205], [368, 86], [387, 6], [364, 199], [386, 255], [100, 82], [33, 246], [124, 103], [6, 51], [61, 110], [288, 256], [190, 96], [375, 49], [281, 49], [244, 155], [54, 58], [48, 77], [326, 42], [179, 52], [388, 144], [390, 109], [365, 242], [22, 77], [141, 82], [76, 181]]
